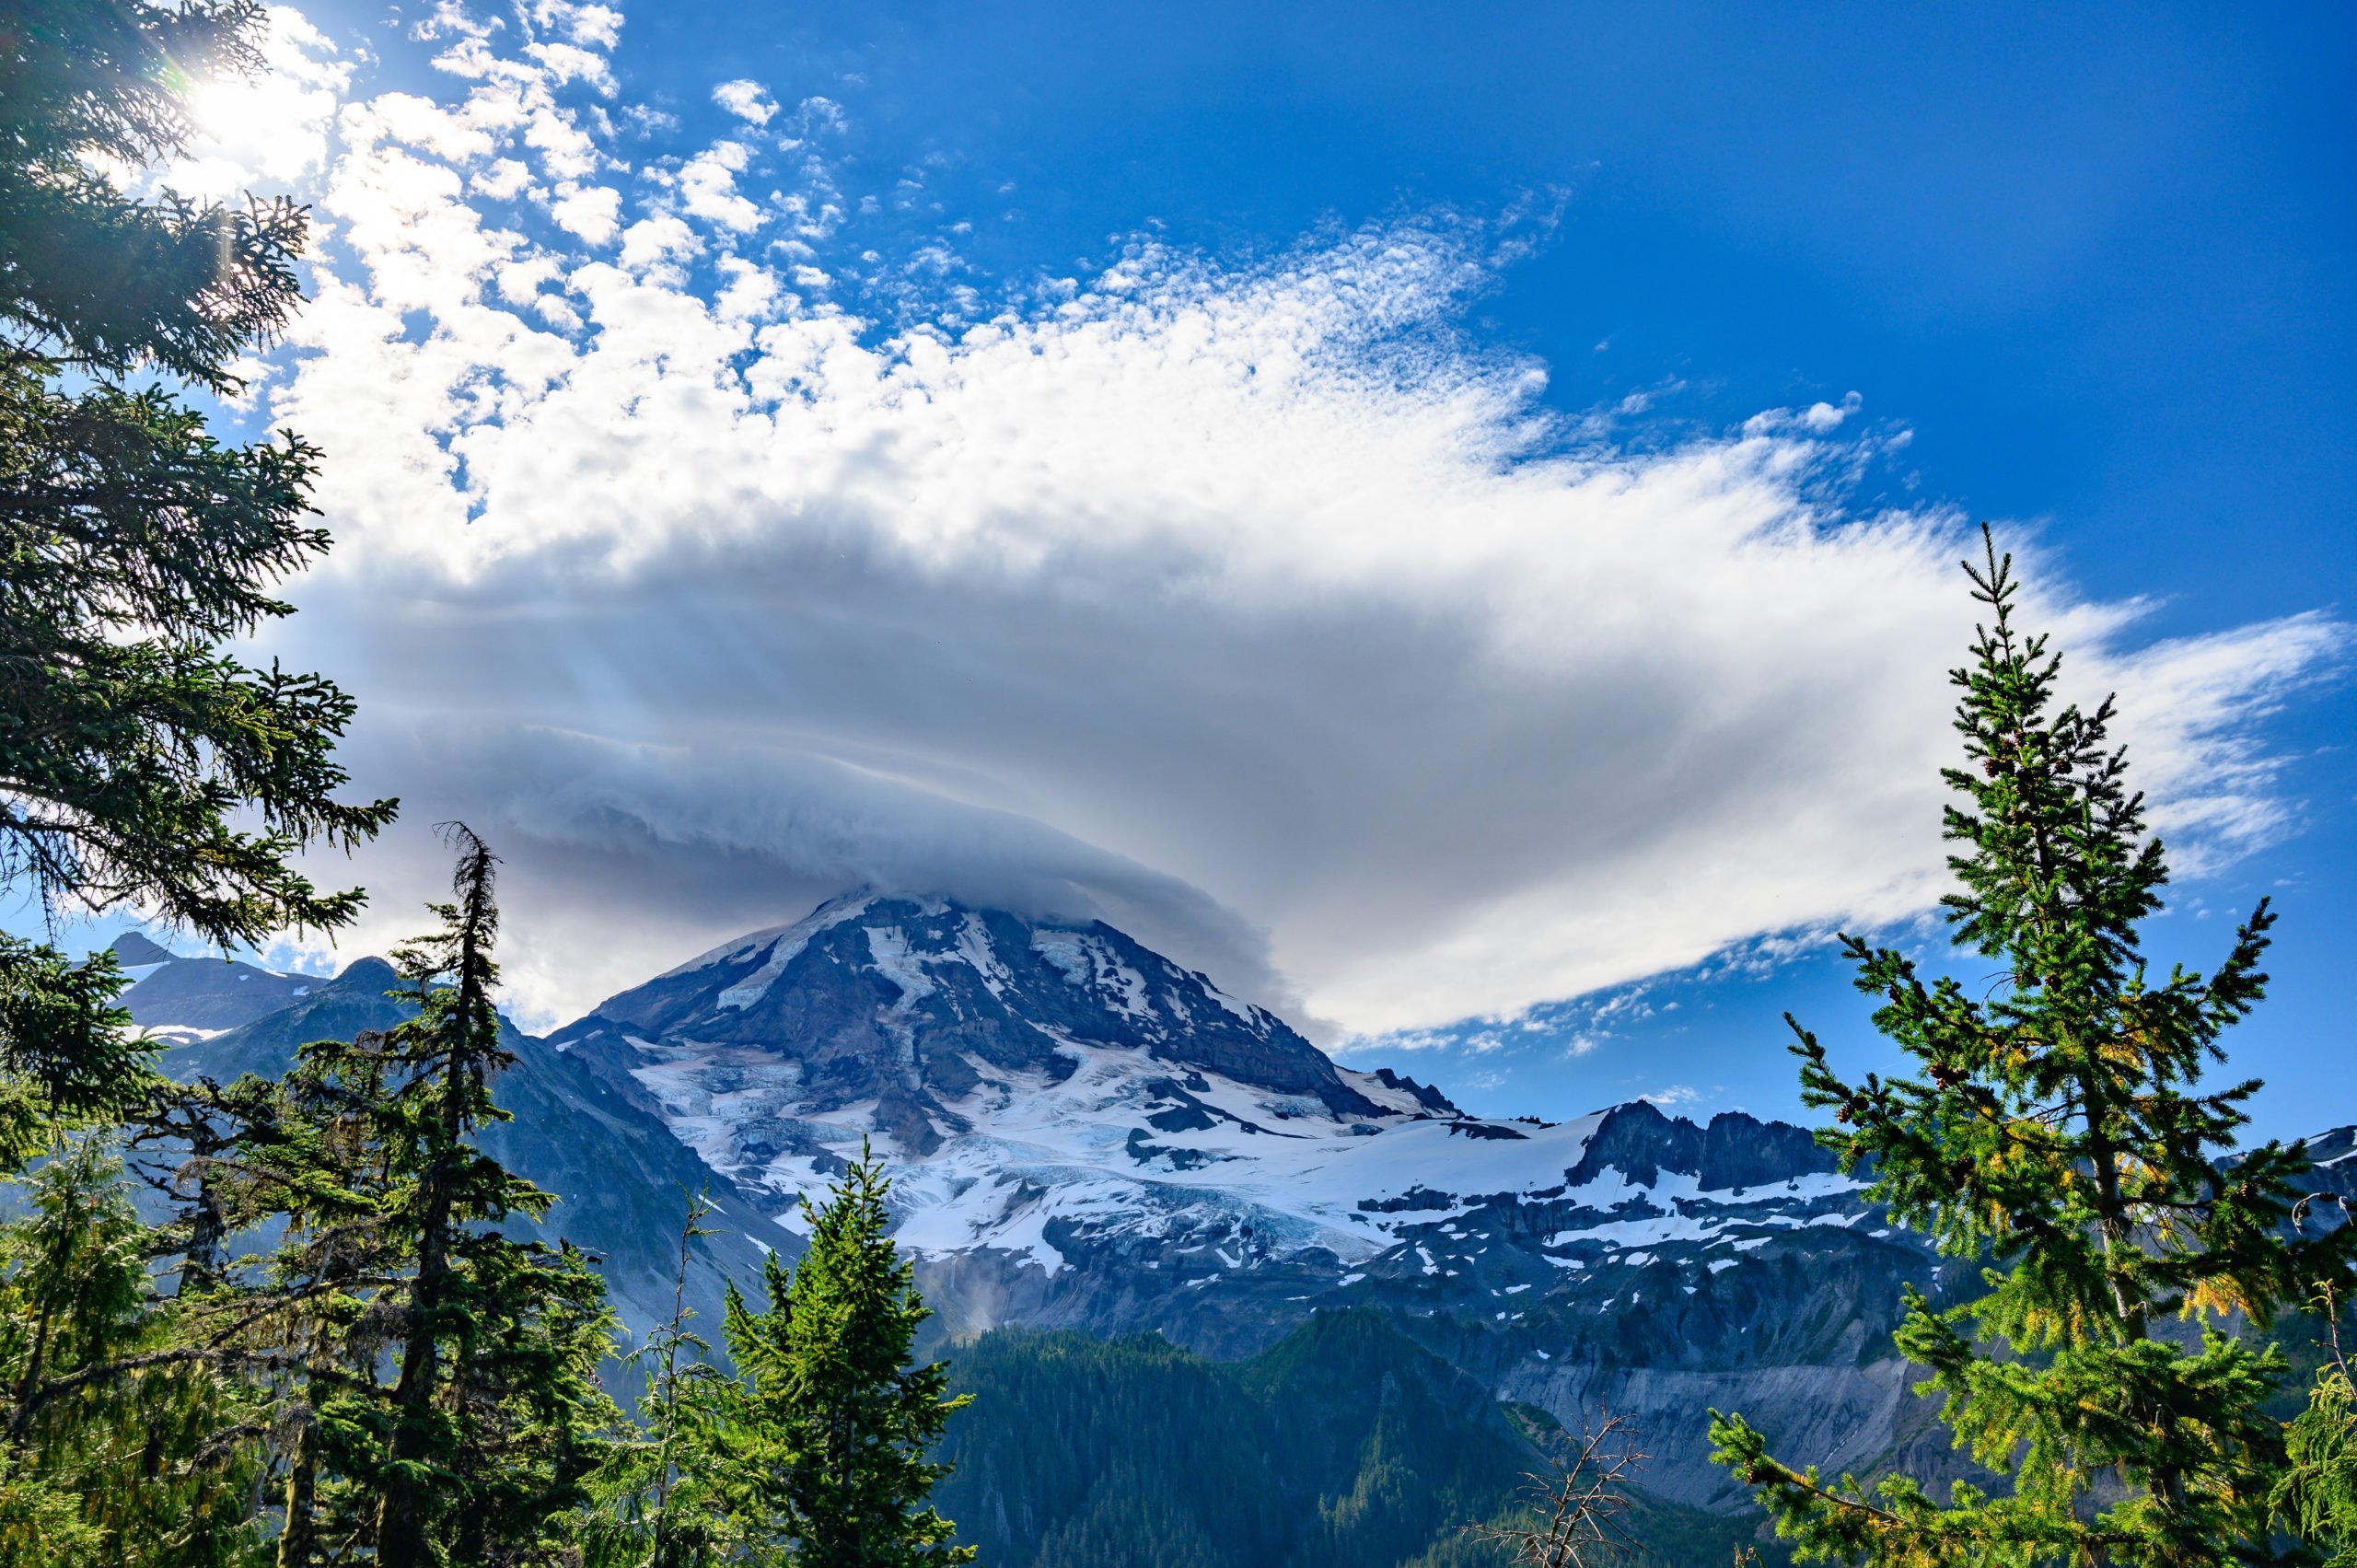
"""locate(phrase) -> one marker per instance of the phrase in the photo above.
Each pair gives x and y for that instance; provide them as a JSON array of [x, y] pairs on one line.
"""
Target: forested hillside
[[1343, 1445]]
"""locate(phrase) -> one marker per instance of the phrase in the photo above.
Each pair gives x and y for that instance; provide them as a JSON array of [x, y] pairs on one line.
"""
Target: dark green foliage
[[664, 1498], [815, 1450], [2058, 1128], [1131, 1519], [125, 1444], [826, 1430], [137, 763], [492, 1419], [132, 544], [1344, 1445], [67, 1055], [2318, 1492]]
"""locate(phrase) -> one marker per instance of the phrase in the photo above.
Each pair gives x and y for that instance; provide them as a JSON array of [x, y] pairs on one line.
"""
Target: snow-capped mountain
[[1083, 1132], [1022, 1077]]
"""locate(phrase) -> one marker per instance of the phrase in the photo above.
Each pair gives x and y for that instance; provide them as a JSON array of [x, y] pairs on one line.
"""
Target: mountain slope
[[621, 1178], [1343, 1443], [1083, 1134], [184, 999]]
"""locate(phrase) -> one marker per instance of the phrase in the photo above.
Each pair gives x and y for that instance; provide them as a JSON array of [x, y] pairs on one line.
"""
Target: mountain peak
[[908, 1004], [134, 950]]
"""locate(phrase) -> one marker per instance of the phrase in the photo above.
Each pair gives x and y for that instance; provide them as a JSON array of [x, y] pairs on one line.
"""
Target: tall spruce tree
[[2058, 1128], [828, 1431], [492, 1421], [138, 764], [336, 1268]]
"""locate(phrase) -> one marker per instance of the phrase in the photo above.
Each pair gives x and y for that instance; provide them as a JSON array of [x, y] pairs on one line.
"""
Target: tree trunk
[[302, 1490]]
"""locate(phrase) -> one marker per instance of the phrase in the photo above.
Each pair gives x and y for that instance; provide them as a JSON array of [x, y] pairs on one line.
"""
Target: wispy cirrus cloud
[[702, 557]]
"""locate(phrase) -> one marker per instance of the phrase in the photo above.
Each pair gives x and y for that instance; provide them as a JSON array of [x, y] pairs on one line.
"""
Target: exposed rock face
[[1735, 1152], [909, 1003]]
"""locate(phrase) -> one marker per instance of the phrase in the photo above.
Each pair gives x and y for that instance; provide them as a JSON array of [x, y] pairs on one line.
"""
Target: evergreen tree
[[663, 1500], [335, 1269], [2057, 1127], [132, 544], [2317, 1492], [130, 1434], [831, 1430], [139, 765], [492, 1421], [67, 1056], [125, 1447]]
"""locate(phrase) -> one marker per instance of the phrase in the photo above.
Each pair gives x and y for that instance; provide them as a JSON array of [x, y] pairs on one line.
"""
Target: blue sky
[[1448, 526]]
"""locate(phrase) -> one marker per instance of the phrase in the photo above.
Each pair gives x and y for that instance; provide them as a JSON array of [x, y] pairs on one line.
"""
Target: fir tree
[[492, 1419], [124, 1448], [2059, 1128], [139, 763], [132, 544], [663, 1500], [68, 1058], [2317, 1492], [336, 1271], [830, 1429]]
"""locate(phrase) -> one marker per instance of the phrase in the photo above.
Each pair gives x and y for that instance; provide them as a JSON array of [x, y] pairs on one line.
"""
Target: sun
[[258, 134]]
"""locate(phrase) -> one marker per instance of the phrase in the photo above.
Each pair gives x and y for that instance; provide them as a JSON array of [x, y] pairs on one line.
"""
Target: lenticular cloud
[[1263, 594]]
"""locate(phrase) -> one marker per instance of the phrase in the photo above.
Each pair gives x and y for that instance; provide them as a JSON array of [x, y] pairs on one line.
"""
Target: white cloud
[[750, 292], [594, 213], [503, 180], [270, 131], [658, 241], [591, 26], [708, 187], [1416, 704], [569, 63], [748, 100]]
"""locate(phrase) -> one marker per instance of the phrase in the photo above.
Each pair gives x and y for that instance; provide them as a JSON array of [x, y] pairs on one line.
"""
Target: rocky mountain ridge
[[1083, 1134]]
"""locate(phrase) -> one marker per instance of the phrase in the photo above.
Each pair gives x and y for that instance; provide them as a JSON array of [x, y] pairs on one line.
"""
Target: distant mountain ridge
[[185, 997]]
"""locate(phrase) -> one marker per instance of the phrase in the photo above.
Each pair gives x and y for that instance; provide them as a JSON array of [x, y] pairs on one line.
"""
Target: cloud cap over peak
[[1253, 602]]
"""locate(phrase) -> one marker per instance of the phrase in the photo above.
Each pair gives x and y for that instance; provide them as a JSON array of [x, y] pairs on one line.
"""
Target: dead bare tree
[[1583, 1499]]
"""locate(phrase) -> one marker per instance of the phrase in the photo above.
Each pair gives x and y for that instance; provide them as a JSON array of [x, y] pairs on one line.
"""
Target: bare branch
[[1582, 1498]]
